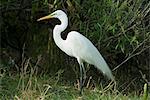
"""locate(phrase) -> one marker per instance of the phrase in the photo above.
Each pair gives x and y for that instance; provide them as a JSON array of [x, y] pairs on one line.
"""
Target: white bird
[[78, 46]]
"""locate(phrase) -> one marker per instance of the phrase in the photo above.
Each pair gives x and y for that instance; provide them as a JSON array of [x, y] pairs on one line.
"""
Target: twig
[[88, 83], [131, 57]]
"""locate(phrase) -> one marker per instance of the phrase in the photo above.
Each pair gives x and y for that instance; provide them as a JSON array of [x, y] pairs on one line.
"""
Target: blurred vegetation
[[120, 29]]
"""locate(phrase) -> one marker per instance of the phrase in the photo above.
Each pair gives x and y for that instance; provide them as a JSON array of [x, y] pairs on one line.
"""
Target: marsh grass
[[29, 86], [45, 87]]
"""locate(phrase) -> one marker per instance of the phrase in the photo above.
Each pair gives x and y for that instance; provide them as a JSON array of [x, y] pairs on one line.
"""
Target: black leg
[[84, 73], [81, 79]]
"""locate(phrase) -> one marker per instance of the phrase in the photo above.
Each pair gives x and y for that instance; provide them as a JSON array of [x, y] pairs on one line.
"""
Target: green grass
[[44, 87], [118, 28]]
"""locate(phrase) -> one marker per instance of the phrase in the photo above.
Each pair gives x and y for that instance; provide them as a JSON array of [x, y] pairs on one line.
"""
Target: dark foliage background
[[120, 29]]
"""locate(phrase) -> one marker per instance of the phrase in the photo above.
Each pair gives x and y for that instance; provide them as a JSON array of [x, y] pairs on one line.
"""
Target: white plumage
[[82, 49], [78, 46]]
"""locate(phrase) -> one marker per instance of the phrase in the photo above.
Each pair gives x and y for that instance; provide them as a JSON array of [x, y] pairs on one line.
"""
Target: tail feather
[[102, 66]]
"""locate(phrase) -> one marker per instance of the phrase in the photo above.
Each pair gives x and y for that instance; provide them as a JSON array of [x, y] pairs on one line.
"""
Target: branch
[[130, 57]]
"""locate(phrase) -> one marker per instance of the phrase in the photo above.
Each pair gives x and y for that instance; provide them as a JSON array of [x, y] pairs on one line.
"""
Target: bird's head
[[57, 14]]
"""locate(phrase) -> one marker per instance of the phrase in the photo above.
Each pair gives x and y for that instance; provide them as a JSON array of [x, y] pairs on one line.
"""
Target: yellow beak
[[45, 17]]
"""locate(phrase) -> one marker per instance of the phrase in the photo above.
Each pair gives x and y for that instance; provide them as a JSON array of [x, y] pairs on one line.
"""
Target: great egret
[[78, 46]]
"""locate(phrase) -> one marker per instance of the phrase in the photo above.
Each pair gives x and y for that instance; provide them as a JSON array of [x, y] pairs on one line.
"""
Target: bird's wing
[[82, 48]]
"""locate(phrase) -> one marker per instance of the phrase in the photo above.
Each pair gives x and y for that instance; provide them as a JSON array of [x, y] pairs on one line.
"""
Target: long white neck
[[57, 32]]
